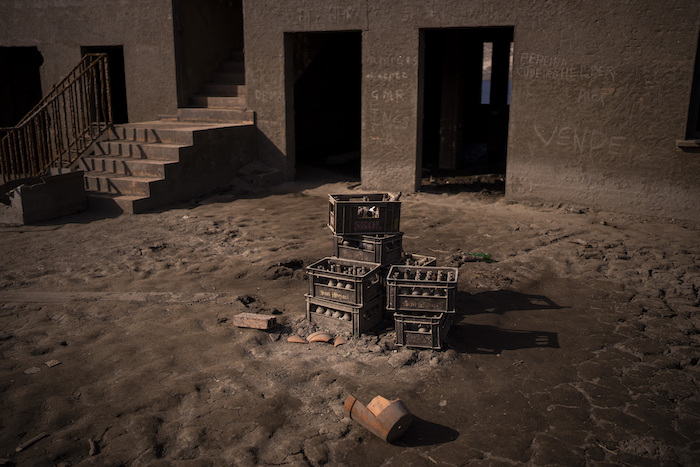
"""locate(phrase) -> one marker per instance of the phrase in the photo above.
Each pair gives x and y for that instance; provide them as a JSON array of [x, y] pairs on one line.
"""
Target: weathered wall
[[60, 28], [600, 89], [597, 108], [266, 22], [600, 93]]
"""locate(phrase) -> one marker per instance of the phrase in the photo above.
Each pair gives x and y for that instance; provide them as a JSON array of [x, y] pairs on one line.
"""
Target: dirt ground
[[579, 345]]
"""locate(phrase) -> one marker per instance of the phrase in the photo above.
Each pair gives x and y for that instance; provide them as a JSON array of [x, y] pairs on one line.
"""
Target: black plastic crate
[[365, 214], [342, 318], [421, 288], [381, 249], [423, 331], [345, 281]]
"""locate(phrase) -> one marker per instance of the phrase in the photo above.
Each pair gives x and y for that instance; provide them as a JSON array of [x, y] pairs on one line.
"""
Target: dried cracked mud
[[579, 345]]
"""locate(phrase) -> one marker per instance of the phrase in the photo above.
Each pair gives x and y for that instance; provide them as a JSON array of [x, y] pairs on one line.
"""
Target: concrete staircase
[[222, 99], [143, 166]]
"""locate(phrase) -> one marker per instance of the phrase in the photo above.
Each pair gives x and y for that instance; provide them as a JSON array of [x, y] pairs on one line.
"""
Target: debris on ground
[[255, 321], [28, 443], [386, 419]]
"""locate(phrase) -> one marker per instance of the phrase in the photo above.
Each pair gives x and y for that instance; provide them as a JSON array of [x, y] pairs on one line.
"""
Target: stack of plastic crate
[[347, 290], [423, 301]]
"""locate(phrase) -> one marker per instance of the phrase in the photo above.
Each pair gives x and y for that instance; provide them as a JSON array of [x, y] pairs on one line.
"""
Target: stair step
[[218, 102], [152, 135], [128, 173], [126, 185], [216, 115], [224, 89], [125, 166], [139, 150], [229, 77], [113, 202], [233, 65]]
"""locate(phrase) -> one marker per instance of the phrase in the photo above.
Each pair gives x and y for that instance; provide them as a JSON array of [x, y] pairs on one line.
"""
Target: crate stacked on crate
[[423, 301], [344, 295], [347, 290]]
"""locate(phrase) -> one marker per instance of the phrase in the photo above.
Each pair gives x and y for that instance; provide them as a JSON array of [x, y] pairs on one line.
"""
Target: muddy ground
[[578, 346]]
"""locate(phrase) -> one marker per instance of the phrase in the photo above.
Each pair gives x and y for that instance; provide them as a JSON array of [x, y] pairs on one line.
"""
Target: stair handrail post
[[59, 129]]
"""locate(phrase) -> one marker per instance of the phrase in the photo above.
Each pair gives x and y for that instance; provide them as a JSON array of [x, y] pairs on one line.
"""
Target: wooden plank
[[255, 321]]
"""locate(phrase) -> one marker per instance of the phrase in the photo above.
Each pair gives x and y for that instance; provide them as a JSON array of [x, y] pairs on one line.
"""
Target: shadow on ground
[[500, 302], [466, 337], [485, 339], [425, 433]]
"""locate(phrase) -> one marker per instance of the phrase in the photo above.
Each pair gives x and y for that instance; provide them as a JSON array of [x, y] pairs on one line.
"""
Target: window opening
[[486, 73]]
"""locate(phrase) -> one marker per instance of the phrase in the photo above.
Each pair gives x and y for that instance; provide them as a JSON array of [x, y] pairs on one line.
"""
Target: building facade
[[588, 103]]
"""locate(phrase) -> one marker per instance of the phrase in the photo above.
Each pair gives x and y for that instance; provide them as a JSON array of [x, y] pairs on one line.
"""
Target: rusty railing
[[60, 128]]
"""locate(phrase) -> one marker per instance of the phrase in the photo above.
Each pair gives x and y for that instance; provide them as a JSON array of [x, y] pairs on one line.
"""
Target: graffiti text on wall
[[546, 67], [582, 141]]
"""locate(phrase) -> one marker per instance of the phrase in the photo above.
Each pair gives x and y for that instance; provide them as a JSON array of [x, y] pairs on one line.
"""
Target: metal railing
[[60, 128]]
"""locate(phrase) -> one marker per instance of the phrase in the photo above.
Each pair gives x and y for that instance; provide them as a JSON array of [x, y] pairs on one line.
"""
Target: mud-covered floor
[[578, 346]]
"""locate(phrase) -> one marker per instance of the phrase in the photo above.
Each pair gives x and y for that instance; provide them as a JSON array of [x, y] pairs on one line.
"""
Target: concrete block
[[44, 198]]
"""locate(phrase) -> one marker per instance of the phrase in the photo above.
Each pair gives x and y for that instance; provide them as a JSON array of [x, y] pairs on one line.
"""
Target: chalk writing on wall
[[386, 125], [303, 15], [387, 76], [581, 141], [545, 67], [392, 68], [332, 13], [264, 97], [389, 117], [393, 61], [392, 95], [595, 95], [338, 13]]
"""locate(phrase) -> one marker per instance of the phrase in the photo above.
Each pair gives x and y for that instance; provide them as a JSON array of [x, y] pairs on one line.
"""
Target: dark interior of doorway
[[207, 34], [465, 106], [326, 72], [117, 78], [20, 83]]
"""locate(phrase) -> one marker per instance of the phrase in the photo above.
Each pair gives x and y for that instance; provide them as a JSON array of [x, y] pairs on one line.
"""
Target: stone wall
[[600, 90], [60, 28], [600, 93]]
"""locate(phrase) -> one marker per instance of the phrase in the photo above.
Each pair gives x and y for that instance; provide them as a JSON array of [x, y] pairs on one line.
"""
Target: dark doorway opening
[[324, 90], [208, 34], [20, 83], [117, 78], [465, 106]]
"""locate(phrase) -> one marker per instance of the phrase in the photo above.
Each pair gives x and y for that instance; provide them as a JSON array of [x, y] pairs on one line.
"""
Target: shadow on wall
[[337, 168]]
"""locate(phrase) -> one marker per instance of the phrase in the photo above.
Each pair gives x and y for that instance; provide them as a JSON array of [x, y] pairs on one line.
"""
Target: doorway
[[465, 104], [117, 78], [20, 83], [324, 90], [208, 34]]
